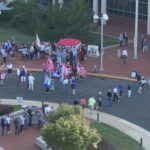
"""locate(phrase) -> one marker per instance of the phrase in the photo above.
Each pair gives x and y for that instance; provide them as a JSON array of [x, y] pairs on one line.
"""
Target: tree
[[70, 130], [52, 22]]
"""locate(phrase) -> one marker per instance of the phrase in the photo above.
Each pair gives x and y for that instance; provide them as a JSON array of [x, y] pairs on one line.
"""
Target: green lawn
[[16, 107], [119, 140], [7, 31]]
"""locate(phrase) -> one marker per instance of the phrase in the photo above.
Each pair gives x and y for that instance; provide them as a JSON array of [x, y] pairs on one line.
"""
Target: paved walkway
[[128, 128]]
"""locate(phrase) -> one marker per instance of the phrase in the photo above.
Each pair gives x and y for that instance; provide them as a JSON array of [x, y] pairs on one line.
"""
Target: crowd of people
[[31, 115], [124, 41]]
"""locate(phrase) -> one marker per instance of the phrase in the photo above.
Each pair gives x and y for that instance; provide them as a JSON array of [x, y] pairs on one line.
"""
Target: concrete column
[[95, 7], [148, 18], [103, 6], [136, 30], [61, 2], [53, 2]]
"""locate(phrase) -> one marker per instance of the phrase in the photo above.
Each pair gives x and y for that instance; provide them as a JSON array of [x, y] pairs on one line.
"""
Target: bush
[[5, 109]]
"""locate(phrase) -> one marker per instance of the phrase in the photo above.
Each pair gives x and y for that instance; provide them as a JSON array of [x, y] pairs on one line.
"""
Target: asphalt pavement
[[135, 110]]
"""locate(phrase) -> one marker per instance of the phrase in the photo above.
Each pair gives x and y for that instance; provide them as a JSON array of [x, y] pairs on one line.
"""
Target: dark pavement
[[135, 110]]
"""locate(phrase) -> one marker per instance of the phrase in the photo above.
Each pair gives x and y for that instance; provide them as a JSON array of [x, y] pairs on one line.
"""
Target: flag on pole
[[64, 71], [49, 65], [37, 40]]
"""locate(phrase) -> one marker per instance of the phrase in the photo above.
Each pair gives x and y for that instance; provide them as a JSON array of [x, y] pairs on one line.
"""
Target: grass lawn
[[7, 31], [16, 107], [117, 139]]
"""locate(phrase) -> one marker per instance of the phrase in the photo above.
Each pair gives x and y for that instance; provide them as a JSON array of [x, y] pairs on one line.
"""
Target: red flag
[[82, 71], [49, 65]]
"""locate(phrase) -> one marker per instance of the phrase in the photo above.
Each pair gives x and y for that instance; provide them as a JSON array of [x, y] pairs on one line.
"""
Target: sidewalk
[[128, 128]]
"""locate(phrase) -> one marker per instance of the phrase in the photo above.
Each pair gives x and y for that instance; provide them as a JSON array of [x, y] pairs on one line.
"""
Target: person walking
[[9, 70], [115, 94], [124, 56], [129, 88], [31, 82], [65, 83], [83, 102], [109, 97], [73, 85], [120, 90]]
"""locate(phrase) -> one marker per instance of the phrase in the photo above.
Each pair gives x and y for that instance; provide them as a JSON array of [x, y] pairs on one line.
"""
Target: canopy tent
[[69, 42]]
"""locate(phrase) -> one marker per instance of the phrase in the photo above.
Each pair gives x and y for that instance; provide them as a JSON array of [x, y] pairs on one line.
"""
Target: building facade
[[122, 8]]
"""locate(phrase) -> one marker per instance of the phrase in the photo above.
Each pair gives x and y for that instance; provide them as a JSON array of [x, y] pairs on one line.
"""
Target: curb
[[89, 74]]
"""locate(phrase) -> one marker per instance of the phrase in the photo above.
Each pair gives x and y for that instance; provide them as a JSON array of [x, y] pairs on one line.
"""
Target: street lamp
[[103, 18], [136, 30]]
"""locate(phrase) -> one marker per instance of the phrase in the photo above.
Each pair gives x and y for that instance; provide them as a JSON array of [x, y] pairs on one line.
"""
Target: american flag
[[49, 65]]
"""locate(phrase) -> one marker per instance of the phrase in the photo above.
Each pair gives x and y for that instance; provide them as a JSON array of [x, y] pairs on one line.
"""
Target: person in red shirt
[[83, 102]]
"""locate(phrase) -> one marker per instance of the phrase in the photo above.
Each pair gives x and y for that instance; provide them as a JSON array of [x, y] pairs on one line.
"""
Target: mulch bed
[[103, 145]]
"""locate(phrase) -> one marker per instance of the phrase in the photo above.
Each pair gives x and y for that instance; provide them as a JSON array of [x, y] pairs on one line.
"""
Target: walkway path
[[128, 128]]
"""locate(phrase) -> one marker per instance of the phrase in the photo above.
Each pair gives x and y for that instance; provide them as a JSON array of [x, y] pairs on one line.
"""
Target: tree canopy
[[70, 130], [52, 21]]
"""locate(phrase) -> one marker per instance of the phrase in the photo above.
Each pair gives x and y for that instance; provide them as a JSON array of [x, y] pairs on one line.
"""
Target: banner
[[92, 51]]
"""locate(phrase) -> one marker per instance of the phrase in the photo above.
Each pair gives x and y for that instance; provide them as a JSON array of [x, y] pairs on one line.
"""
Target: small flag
[[38, 41]]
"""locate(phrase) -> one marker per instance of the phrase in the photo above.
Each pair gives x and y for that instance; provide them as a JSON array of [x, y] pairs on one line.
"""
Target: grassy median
[[117, 139]]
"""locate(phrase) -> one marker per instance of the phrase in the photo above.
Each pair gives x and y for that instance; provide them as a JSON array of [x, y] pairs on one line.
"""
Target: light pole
[[103, 18], [136, 30]]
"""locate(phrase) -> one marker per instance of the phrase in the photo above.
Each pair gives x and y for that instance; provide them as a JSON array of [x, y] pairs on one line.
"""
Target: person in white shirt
[[31, 82], [9, 70], [47, 110], [124, 56], [115, 94], [8, 124]]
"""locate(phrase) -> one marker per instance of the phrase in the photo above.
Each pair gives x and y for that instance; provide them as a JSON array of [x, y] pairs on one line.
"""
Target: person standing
[[91, 103], [83, 102], [129, 88], [39, 116], [17, 125], [22, 123], [99, 100], [76, 102], [145, 45], [3, 125], [121, 39], [31, 82], [109, 97], [8, 124], [9, 70], [124, 56]]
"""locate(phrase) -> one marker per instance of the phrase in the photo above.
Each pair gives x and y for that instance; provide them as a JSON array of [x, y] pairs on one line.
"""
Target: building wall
[[125, 8]]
